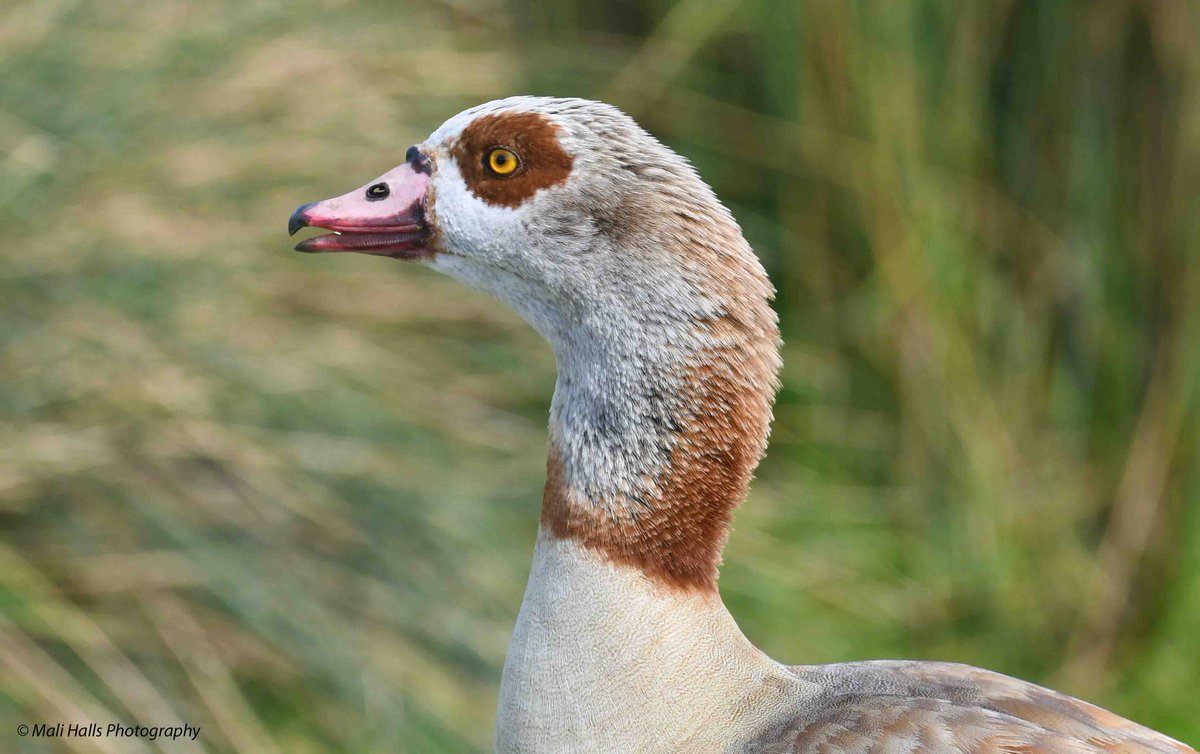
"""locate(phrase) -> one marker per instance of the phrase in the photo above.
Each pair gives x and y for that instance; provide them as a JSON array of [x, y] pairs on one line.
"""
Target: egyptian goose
[[615, 250]]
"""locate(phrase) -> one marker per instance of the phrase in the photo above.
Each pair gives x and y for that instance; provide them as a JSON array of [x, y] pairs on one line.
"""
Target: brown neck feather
[[676, 537]]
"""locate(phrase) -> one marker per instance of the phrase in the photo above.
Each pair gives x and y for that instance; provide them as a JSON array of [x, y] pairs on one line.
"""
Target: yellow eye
[[502, 161]]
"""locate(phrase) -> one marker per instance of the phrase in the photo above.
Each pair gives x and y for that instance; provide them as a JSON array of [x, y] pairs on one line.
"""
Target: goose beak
[[299, 218], [384, 218]]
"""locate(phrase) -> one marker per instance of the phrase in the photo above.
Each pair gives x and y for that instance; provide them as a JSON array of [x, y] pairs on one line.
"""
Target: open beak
[[384, 218]]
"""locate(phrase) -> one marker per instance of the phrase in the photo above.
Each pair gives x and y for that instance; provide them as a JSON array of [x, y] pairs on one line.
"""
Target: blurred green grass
[[292, 499]]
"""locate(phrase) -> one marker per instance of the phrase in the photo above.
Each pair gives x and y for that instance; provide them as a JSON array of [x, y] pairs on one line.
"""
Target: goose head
[[613, 248], [559, 207]]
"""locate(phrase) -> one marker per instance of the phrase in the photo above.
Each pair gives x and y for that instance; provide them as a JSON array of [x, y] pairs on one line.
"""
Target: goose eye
[[378, 191], [501, 161]]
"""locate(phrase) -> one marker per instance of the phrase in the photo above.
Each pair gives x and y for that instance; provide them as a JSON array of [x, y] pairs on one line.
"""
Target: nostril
[[378, 191]]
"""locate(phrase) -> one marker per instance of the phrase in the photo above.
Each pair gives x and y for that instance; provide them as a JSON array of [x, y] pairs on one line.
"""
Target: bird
[[667, 349]]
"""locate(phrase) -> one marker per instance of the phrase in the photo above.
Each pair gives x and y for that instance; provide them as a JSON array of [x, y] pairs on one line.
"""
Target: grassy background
[[292, 499]]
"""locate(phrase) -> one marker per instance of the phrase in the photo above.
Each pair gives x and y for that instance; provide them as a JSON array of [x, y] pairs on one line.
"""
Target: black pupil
[[378, 191]]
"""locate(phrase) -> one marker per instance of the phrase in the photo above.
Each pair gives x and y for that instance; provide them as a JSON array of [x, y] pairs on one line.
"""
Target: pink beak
[[384, 218]]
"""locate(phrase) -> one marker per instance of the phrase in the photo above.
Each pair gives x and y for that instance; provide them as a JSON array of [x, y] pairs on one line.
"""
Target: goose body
[[611, 246]]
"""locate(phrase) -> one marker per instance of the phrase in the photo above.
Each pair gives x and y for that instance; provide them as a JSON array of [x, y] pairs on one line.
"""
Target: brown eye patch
[[533, 136]]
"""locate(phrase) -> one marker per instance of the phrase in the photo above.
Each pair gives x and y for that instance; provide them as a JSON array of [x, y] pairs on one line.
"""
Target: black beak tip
[[299, 219]]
